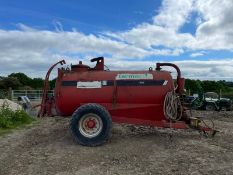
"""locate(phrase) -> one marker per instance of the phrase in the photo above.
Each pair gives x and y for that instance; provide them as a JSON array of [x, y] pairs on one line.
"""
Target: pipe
[[42, 111], [180, 81], [158, 67]]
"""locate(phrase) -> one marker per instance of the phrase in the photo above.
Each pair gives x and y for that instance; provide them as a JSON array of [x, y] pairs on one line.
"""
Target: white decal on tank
[[104, 83], [145, 76], [89, 84], [165, 83]]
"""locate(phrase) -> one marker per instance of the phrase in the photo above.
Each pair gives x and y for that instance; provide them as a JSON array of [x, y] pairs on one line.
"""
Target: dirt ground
[[48, 148]]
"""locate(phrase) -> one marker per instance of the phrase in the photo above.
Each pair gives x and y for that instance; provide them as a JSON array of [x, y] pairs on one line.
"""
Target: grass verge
[[10, 119]]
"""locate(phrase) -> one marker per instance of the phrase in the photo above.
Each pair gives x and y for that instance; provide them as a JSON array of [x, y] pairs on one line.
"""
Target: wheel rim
[[90, 125]]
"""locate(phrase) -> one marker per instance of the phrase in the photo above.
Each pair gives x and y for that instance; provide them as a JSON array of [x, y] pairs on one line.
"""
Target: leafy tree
[[227, 86], [23, 79], [37, 83], [26, 88], [194, 86], [52, 83], [214, 86], [8, 82]]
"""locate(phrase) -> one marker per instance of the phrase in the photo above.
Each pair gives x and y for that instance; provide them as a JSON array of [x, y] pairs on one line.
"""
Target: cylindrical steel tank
[[127, 95]]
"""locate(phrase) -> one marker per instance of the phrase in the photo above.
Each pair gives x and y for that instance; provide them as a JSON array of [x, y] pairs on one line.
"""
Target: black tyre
[[224, 108], [210, 107], [91, 125]]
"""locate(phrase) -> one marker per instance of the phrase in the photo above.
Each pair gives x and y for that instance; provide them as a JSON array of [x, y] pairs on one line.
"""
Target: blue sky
[[89, 16], [194, 34]]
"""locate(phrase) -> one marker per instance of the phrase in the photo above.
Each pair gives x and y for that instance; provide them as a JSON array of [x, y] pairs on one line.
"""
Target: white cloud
[[209, 69], [197, 54], [148, 35], [41, 41], [173, 13], [195, 69], [32, 51], [215, 30], [164, 30], [214, 26], [28, 49]]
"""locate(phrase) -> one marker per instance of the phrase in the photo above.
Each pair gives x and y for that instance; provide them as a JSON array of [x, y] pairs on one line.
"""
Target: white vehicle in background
[[212, 102]]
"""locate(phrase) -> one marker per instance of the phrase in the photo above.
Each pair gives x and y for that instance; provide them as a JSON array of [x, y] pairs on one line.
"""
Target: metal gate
[[33, 95]]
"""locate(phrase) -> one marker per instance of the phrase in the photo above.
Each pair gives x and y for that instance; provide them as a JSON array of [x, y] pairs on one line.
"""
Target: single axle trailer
[[95, 97]]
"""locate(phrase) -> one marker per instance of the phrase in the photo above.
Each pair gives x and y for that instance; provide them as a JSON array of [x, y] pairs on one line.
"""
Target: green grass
[[4, 131], [10, 119]]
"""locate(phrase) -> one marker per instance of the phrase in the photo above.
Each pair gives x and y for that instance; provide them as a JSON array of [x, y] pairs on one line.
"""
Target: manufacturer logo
[[134, 76]]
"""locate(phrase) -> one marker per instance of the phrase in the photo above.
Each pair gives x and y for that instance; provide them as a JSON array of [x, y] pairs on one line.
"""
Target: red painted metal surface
[[127, 101], [46, 103], [135, 97], [180, 81]]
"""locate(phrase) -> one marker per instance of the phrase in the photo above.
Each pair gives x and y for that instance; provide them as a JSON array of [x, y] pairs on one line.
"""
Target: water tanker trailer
[[95, 97]]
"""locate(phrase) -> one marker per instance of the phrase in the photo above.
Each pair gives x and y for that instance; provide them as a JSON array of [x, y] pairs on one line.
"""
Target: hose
[[172, 107]]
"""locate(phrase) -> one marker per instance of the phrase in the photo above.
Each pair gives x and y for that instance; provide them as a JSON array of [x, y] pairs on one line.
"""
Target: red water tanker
[[96, 97]]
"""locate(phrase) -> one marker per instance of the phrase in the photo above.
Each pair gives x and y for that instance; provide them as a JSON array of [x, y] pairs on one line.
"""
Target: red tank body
[[127, 95], [128, 98]]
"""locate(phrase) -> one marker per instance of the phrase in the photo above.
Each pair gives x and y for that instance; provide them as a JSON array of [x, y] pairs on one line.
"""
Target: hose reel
[[172, 107]]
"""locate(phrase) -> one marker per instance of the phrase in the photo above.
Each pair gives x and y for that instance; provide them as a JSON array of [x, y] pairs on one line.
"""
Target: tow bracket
[[199, 124]]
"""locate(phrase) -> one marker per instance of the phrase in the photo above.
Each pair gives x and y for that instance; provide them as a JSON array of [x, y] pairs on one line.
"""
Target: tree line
[[21, 81], [200, 87]]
